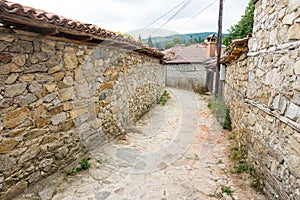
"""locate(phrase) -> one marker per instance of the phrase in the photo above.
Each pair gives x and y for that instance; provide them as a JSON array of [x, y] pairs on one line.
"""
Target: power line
[[201, 11], [180, 9], [165, 14]]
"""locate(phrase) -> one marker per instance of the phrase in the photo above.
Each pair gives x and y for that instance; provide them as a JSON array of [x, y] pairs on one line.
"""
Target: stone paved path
[[172, 153], [158, 139]]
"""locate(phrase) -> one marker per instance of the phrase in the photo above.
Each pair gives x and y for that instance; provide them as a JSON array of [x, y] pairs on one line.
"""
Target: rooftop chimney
[[172, 55], [211, 49], [211, 46]]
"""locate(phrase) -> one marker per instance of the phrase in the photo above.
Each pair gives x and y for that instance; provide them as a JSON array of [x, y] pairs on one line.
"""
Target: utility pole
[[219, 48]]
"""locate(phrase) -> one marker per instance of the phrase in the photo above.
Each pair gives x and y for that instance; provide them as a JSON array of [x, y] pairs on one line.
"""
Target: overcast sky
[[128, 15]]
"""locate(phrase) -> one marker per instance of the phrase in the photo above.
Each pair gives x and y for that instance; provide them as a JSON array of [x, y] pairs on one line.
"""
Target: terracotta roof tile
[[13, 13], [195, 53], [237, 48]]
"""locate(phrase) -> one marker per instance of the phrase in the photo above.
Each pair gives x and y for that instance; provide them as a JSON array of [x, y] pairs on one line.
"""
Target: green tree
[[196, 41], [140, 39], [158, 45], [243, 27], [169, 45], [187, 43], [191, 39], [177, 40], [150, 41], [200, 39]]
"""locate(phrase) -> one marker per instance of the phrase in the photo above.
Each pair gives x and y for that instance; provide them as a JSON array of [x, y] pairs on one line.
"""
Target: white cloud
[[126, 15]]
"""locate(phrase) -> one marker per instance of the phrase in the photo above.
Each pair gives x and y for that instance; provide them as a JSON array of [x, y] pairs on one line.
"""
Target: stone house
[[65, 87], [192, 67], [262, 89]]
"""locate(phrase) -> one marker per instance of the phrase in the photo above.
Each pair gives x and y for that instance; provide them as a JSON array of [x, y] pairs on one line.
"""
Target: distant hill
[[190, 38], [145, 32]]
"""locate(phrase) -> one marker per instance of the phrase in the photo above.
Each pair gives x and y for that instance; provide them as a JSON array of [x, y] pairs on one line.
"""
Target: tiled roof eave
[[174, 62], [237, 48], [16, 16]]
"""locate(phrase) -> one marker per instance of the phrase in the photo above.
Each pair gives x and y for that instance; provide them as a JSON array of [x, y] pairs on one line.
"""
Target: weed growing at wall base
[[102, 161], [239, 158], [164, 98], [227, 120], [227, 190], [84, 165], [221, 111], [69, 172], [224, 190]]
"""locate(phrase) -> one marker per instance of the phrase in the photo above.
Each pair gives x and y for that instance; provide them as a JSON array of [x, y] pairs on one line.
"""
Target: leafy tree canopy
[[169, 45], [177, 40], [243, 27]]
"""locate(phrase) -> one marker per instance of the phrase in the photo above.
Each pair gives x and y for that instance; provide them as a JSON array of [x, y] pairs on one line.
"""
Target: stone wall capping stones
[[44, 23]]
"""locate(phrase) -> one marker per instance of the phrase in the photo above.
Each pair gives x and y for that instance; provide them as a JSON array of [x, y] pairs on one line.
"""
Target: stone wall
[[58, 99], [187, 76], [262, 89]]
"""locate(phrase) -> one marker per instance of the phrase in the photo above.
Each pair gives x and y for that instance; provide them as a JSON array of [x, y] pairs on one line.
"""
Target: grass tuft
[[227, 190], [221, 111], [84, 165], [164, 98]]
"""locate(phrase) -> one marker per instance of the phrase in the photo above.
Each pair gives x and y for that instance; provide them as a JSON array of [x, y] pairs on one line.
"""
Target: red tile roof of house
[[35, 20], [195, 53]]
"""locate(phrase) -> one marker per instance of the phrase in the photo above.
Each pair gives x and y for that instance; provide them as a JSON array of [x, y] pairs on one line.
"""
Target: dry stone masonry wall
[[187, 76], [262, 89], [58, 99]]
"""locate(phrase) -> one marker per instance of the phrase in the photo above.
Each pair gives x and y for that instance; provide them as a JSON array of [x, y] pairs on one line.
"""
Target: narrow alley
[[176, 151]]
